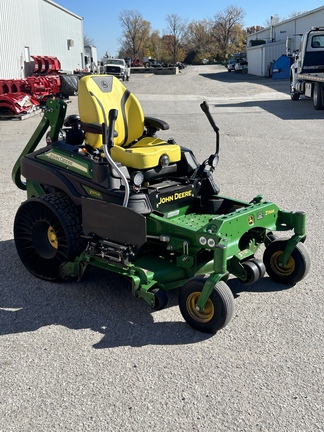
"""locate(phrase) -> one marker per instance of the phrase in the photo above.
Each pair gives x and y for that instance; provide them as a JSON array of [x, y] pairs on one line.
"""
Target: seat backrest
[[112, 95]]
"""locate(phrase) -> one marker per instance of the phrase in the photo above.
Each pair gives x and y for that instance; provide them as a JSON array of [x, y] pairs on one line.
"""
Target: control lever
[[205, 107], [112, 117]]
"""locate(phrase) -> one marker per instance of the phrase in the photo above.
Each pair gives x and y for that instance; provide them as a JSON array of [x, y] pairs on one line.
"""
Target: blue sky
[[102, 25]]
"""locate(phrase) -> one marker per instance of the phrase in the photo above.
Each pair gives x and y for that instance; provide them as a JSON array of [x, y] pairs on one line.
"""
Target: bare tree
[[273, 20], [227, 27], [136, 33], [174, 35], [87, 40], [209, 38], [295, 14]]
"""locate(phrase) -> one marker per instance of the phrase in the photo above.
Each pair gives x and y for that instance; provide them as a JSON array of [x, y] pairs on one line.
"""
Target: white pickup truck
[[117, 67], [307, 73]]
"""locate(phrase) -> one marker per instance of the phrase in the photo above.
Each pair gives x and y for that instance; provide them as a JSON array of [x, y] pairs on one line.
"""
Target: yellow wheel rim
[[282, 271], [202, 316], [52, 237]]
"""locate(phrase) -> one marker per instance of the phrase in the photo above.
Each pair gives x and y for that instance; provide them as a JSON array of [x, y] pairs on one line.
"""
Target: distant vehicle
[[117, 67], [241, 65], [307, 73], [231, 65], [137, 62], [90, 59], [180, 65], [149, 62]]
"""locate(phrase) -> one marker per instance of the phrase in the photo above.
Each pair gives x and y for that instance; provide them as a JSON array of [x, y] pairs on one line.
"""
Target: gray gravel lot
[[88, 356]]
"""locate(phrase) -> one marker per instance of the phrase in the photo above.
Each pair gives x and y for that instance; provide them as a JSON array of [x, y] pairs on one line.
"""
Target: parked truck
[[307, 72], [120, 68], [150, 62]]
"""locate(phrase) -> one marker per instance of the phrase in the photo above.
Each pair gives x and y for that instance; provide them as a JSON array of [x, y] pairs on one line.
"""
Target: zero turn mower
[[106, 192]]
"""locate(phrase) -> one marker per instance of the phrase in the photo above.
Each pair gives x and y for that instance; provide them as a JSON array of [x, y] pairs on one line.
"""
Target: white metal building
[[271, 43], [38, 27]]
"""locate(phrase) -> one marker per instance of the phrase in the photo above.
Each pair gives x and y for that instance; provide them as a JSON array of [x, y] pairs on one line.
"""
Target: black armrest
[[94, 128], [154, 123]]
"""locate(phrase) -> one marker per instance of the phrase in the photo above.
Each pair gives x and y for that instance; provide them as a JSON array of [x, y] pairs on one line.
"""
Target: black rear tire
[[318, 96], [47, 232]]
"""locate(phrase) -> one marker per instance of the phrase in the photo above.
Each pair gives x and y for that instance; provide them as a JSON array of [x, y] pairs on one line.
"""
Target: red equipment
[[41, 87], [18, 103], [45, 83], [46, 65], [54, 65]]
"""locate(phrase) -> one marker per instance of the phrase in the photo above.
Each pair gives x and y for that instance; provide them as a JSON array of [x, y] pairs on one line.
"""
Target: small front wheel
[[296, 268], [161, 298], [218, 310]]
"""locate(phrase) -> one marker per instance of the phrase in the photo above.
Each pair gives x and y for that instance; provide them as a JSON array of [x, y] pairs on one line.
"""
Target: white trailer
[[307, 72], [90, 59]]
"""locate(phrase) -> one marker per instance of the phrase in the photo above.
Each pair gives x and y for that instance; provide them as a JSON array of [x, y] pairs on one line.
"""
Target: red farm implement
[[20, 96]]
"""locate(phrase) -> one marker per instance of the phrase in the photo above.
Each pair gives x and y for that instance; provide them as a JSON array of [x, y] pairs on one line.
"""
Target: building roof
[[320, 9], [63, 9]]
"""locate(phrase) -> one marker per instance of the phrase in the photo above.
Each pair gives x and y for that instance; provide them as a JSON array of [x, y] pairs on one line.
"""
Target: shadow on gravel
[[228, 77], [285, 109], [101, 301], [264, 285]]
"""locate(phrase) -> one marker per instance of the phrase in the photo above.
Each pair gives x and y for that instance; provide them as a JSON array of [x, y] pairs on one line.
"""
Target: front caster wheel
[[296, 268], [219, 308], [161, 298]]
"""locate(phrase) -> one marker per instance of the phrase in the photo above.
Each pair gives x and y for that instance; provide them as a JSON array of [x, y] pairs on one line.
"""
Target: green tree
[[154, 47], [198, 43], [253, 29], [136, 34], [227, 31]]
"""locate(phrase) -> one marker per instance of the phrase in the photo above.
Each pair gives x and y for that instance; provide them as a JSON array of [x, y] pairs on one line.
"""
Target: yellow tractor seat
[[132, 145]]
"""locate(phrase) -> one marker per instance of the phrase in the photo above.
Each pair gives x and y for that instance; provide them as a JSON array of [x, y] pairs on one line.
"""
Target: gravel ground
[[88, 356]]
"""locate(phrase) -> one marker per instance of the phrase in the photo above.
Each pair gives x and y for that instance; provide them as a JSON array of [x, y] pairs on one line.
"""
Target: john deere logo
[[251, 220], [175, 196]]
